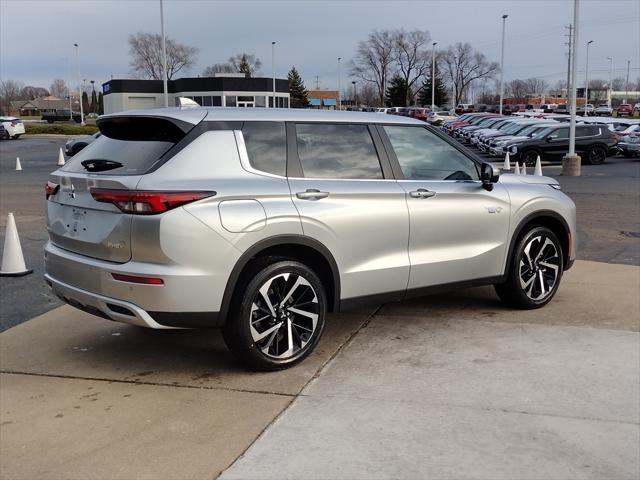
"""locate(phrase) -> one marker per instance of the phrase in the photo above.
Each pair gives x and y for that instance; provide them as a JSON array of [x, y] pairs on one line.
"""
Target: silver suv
[[261, 221]]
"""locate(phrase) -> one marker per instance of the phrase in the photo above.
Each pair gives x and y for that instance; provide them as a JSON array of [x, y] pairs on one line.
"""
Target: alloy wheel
[[597, 156], [284, 315], [539, 268]]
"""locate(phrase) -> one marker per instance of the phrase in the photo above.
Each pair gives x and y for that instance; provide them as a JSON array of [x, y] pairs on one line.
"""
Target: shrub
[[59, 128]]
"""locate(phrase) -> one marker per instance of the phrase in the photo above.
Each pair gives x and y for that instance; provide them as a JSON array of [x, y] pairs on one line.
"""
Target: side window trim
[[294, 165], [395, 164]]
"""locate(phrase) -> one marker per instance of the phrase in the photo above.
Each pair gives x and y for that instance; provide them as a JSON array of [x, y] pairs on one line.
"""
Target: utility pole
[[317, 82], [164, 58], [571, 161], [569, 43], [80, 85], [504, 21]]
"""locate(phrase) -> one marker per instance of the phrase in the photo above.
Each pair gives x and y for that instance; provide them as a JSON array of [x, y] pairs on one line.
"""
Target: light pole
[[610, 80], [504, 22], [79, 84], [626, 93], [164, 57], [339, 95], [433, 76], [273, 71], [571, 161], [355, 94], [586, 86]]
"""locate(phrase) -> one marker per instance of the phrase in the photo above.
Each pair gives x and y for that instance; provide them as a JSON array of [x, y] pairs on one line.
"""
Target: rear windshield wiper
[[100, 165]]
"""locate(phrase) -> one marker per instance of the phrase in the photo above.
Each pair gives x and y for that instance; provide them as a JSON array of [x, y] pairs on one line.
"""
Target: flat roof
[[227, 114]]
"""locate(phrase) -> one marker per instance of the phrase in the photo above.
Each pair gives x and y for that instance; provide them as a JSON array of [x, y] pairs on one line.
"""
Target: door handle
[[312, 194], [421, 193]]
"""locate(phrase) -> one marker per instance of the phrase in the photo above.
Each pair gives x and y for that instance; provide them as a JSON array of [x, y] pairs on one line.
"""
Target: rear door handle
[[421, 193], [312, 194]]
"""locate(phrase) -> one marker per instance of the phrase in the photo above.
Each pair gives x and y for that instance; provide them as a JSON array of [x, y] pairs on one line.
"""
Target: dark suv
[[593, 143]]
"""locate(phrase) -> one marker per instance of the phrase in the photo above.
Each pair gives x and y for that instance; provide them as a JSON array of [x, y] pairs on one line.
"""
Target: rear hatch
[[129, 147]]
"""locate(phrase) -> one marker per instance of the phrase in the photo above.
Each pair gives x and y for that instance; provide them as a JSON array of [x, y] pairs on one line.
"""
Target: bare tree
[[246, 63], [373, 60], [10, 90], [368, 95], [411, 56], [619, 83], [211, 70], [30, 92], [536, 85], [59, 88], [146, 56], [463, 65], [518, 90], [559, 88]]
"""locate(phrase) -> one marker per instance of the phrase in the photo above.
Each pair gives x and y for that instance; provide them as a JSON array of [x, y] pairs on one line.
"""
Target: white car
[[436, 118], [382, 110], [604, 109], [13, 126]]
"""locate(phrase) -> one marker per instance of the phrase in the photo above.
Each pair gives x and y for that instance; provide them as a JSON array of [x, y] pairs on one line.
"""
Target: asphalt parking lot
[[448, 386]]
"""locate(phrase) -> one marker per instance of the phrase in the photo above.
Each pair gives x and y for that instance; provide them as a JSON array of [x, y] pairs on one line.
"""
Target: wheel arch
[[296, 247], [543, 218]]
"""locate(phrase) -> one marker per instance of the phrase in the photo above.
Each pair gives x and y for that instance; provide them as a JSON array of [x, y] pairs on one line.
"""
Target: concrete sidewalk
[[448, 386]]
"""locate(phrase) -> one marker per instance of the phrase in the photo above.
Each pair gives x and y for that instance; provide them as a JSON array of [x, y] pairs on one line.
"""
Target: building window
[[206, 101], [198, 100], [230, 100], [260, 101], [216, 101]]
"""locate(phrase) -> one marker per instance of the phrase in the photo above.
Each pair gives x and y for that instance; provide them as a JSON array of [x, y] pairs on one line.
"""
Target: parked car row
[[526, 138]]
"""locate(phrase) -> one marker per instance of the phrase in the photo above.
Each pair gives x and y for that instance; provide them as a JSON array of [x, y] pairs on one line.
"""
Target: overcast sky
[[37, 36]]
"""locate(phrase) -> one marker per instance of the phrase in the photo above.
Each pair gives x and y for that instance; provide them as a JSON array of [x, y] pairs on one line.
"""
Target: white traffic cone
[[12, 259], [18, 165], [538, 170], [60, 158], [524, 168], [507, 163], [516, 171]]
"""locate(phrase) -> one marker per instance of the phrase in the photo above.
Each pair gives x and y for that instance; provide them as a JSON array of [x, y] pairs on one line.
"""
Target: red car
[[419, 113], [625, 109]]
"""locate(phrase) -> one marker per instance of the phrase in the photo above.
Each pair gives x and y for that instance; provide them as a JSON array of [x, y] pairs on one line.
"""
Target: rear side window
[[266, 144], [422, 155], [337, 151], [559, 133]]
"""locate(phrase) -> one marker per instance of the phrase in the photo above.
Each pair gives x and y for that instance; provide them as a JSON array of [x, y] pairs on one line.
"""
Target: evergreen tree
[[397, 91], [85, 102], [94, 102], [441, 96], [297, 91], [100, 104], [243, 66]]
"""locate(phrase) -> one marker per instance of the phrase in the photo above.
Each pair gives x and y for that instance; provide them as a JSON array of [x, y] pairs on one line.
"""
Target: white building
[[223, 90]]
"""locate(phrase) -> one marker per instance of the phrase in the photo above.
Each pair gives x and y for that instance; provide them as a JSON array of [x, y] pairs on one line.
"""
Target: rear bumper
[[188, 297]]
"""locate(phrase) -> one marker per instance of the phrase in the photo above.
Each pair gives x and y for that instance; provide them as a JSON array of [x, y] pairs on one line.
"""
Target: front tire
[[534, 272], [529, 157], [278, 319], [596, 155]]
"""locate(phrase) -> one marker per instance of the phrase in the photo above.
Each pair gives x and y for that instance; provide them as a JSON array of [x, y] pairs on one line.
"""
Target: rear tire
[[529, 157], [534, 272], [596, 155], [278, 318]]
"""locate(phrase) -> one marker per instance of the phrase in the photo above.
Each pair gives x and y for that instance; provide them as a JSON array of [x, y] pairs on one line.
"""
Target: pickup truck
[[61, 115]]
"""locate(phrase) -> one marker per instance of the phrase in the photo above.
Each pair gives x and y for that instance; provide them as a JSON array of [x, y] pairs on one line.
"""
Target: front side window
[[266, 144], [425, 156], [337, 151], [559, 133]]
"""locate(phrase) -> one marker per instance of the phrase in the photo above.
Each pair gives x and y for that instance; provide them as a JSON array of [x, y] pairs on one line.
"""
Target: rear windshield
[[127, 146]]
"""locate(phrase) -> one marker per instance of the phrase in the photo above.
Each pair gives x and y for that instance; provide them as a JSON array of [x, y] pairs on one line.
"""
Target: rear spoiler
[[143, 128]]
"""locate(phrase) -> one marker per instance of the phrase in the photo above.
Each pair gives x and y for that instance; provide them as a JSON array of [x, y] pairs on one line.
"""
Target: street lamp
[[355, 94], [586, 87], [626, 93], [610, 80], [164, 57], [571, 161], [79, 84], [504, 21], [339, 95], [273, 71], [433, 76]]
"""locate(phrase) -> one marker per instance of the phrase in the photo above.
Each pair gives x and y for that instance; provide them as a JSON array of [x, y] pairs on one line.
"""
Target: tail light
[[146, 202], [50, 189], [14, 124]]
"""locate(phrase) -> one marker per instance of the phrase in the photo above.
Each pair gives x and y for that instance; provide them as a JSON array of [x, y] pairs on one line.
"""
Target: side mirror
[[488, 176], [548, 139]]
